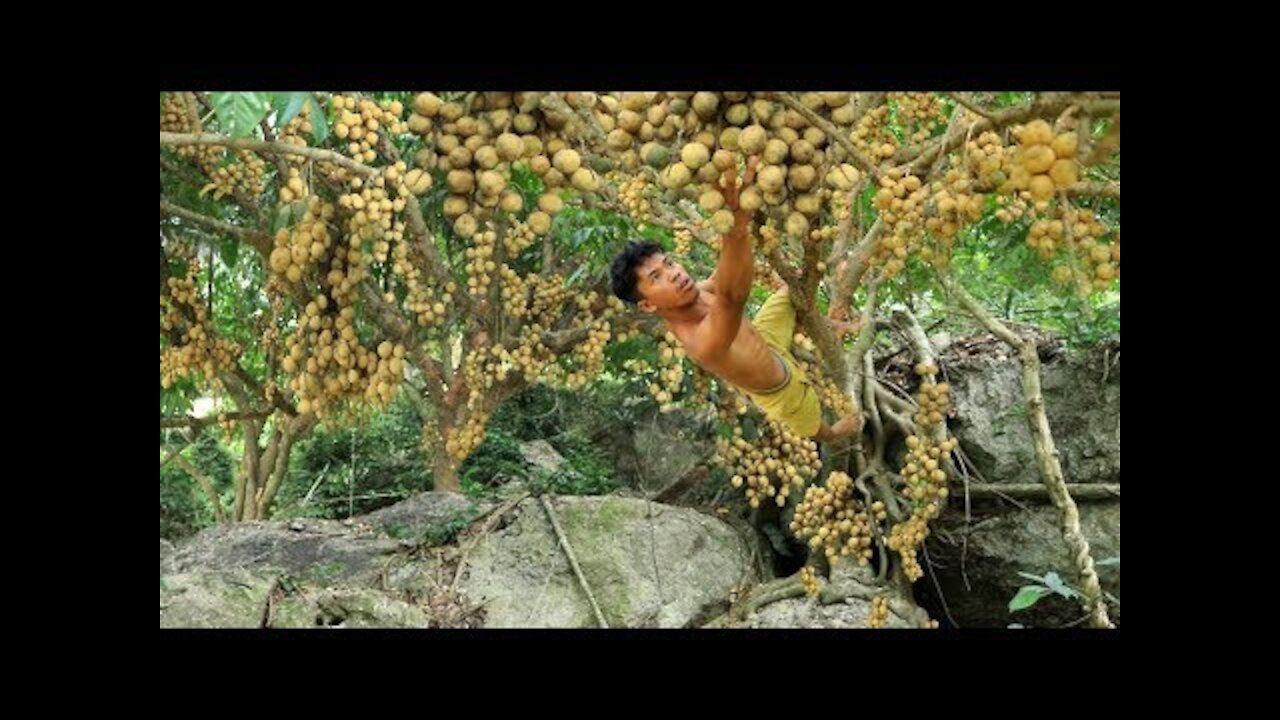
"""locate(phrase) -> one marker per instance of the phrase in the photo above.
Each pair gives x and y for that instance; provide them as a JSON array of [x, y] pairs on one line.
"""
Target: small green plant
[[1051, 584]]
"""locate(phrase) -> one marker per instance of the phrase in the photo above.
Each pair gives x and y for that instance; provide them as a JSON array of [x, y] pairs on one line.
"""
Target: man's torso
[[748, 363]]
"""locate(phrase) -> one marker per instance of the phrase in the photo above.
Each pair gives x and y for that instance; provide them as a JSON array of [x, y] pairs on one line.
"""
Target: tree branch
[[1099, 189], [573, 561], [1048, 105], [258, 239], [1032, 491], [180, 139], [195, 422], [832, 132], [205, 483], [970, 106]]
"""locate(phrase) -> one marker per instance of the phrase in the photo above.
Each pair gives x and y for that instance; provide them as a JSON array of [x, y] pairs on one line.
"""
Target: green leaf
[[319, 123], [750, 432], [1029, 595], [288, 105], [1056, 584], [230, 252], [239, 113], [1107, 562]]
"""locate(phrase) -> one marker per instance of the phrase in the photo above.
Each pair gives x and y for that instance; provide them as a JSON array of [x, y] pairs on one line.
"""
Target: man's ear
[[646, 306]]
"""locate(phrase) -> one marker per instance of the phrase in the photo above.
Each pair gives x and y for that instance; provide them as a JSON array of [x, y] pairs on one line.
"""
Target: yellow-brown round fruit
[[426, 104], [1038, 159], [809, 204], [1019, 178], [486, 157], [539, 164], [280, 258], [1041, 187], [492, 182], [524, 123], [539, 222], [729, 138], [550, 203], [705, 104], [771, 179], [584, 180], [619, 139], [802, 151], [738, 114], [751, 199], [465, 226], [842, 177], [724, 160], [775, 152], [451, 111], [455, 205], [461, 181], [421, 184], [694, 155], [752, 139], [419, 125], [711, 200], [801, 177], [835, 99], [1037, 132], [797, 225], [511, 202], [634, 101], [722, 221], [1063, 172], [676, 176], [509, 146], [1064, 145], [567, 161], [630, 121], [708, 174], [843, 115]]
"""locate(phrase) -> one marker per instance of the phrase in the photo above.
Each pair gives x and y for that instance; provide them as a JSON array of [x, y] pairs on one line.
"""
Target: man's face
[[663, 283]]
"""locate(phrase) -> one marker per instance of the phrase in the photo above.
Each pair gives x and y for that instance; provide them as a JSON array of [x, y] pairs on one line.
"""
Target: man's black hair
[[623, 271]]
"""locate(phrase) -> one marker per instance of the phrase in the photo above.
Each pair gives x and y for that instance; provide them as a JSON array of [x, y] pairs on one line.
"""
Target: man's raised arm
[[735, 270]]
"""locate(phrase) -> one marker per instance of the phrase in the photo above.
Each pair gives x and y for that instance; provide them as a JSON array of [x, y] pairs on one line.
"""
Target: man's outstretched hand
[[730, 189]]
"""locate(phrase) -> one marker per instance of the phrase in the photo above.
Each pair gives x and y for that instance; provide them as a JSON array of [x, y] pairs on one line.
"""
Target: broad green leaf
[[239, 112], [319, 123], [1029, 595], [288, 106]]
